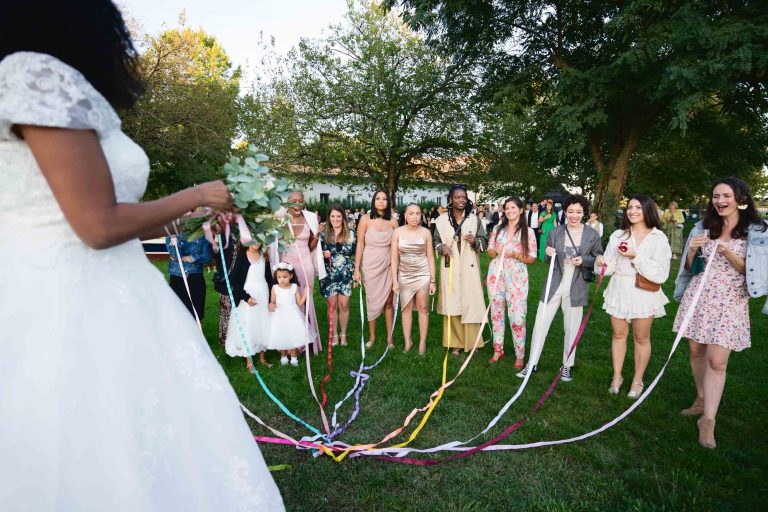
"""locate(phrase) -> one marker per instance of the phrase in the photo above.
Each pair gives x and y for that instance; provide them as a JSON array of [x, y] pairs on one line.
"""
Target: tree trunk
[[393, 182], [613, 176]]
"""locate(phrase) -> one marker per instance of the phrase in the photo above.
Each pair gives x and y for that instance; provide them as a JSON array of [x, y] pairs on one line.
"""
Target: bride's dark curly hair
[[89, 35]]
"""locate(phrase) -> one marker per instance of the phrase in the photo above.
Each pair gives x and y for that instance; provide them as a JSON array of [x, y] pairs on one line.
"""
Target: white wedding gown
[[110, 398]]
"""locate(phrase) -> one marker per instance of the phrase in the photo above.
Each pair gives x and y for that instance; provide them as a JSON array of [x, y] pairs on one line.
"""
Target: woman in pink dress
[[374, 242], [300, 254]]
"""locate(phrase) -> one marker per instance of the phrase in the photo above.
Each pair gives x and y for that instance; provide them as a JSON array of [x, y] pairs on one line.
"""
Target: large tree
[[371, 102], [606, 74], [187, 119]]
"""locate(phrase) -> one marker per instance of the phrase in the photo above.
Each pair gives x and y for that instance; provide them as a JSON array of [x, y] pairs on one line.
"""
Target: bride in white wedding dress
[[110, 398]]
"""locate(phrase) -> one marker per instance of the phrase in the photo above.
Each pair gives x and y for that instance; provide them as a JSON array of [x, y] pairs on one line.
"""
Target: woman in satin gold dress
[[413, 264]]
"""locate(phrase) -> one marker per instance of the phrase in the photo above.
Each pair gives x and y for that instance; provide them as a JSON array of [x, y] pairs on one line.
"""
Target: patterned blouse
[[339, 267]]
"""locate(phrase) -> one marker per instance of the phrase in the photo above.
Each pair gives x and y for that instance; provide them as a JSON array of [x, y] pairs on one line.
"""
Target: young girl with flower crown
[[288, 329]]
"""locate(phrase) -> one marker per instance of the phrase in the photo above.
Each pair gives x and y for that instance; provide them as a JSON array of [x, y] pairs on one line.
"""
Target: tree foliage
[[605, 77], [187, 119], [370, 102]]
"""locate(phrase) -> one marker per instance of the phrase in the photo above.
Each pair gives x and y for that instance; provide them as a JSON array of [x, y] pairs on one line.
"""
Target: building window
[[351, 199], [325, 198], [423, 199]]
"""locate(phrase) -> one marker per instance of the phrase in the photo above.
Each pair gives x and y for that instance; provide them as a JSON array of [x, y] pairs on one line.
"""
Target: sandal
[[519, 363], [370, 343], [408, 347], [456, 352], [498, 354], [423, 348], [343, 340], [334, 340], [616, 383]]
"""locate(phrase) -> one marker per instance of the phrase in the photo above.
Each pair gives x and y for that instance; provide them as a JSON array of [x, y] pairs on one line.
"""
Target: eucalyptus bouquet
[[260, 205]]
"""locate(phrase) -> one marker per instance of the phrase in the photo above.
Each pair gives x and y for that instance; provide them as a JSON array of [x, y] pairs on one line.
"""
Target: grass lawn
[[650, 461]]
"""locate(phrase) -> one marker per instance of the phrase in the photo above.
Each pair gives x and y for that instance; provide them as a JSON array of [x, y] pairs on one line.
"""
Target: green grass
[[650, 461]]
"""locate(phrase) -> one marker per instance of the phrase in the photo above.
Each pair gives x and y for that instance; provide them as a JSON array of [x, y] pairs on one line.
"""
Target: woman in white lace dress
[[639, 248], [113, 399]]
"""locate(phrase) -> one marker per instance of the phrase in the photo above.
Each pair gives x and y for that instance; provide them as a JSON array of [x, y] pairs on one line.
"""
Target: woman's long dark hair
[[387, 211], [89, 35], [650, 213], [522, 223], [714, 222]]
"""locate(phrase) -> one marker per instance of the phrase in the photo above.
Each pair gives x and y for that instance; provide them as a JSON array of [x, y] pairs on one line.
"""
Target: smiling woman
[[738, 242]]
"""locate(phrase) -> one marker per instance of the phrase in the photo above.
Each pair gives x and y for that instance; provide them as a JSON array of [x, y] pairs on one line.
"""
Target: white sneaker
[[284, 360], [294, 361]]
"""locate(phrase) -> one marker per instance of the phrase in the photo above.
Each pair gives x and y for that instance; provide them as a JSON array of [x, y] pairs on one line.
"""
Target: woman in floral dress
[[338, 244], [738, 242], [517, 242]]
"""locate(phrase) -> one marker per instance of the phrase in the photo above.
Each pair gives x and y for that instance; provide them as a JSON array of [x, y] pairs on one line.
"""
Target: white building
[[330, 191]]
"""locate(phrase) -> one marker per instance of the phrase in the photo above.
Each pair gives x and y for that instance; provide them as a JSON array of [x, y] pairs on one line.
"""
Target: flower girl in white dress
[[288, 326], [251, 282]]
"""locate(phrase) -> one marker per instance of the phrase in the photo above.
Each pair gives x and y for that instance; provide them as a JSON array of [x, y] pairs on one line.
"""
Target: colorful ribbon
[[248, 350]]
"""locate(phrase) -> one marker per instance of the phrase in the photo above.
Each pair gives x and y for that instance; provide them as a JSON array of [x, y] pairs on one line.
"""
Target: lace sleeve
[[38, 89]]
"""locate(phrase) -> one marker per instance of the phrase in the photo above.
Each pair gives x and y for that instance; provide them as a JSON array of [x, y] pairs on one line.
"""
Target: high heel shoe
[[706, 432], [334, 340], [613, 389], [343, 340], [370, 343], [635, 393], [519, 363], [498, 355]]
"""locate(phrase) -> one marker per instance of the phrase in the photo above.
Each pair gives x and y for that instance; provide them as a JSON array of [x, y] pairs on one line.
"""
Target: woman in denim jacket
[[738, 240], [194, 254]]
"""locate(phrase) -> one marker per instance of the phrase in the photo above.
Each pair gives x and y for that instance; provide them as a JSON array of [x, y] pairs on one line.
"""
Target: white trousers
[[546, 313]]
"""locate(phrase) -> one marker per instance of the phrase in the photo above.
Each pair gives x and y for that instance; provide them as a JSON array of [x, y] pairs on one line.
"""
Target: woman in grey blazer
[[575, 246]]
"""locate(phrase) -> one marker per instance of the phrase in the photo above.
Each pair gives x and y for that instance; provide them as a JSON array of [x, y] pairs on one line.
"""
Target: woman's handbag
[[646, 284]]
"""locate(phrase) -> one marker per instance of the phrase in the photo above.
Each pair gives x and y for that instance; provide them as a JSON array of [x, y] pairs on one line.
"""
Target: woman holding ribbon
[[734, 235], [413, 262], [512, 247], [460, 238], [637, 257], [338, 244], [158, 426], [305, 258], [673, 221], [547, 221], [574, 247], [373, 256]]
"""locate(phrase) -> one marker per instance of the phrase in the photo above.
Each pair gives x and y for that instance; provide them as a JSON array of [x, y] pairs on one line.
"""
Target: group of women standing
[[390, 260], [638, 260]]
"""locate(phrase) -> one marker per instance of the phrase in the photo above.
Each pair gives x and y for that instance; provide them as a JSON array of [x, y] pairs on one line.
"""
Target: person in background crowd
[[733, 233], [638, 258], [547, 221], [532, 219], [512, 247], [194, 255], [459, 238], [673, 222], [575, 246], [594, 223], [373, 263], [483, 220]]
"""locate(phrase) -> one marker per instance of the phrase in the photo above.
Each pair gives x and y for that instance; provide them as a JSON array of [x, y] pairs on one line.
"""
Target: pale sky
[[236, 24]]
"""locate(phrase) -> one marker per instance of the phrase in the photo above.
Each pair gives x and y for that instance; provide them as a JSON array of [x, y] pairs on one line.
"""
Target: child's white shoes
[[284, 360], [294, 361]]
